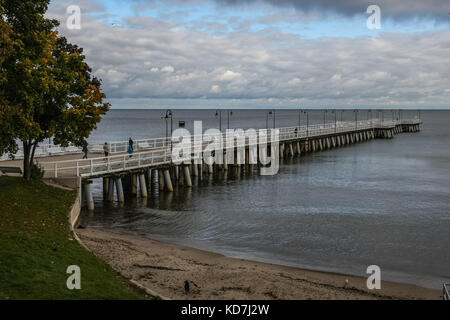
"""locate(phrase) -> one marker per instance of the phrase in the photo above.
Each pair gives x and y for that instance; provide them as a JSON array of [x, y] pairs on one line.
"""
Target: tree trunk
[[26, 160]]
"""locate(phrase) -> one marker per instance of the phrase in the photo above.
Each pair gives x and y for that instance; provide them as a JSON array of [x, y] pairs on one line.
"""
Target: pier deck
[[153, 162]]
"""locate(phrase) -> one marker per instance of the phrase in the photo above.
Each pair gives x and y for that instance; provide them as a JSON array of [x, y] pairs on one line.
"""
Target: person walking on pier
[[85, 150], [106, 149], [130, 147]]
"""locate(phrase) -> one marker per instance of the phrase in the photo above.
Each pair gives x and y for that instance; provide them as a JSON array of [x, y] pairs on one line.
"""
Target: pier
[[152, 165]]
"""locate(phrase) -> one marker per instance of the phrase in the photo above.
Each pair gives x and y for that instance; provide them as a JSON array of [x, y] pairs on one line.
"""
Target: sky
[[265, 53]]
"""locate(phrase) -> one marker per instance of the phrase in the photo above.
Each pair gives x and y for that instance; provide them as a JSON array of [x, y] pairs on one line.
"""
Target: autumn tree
[[48, 84], [6, 110]]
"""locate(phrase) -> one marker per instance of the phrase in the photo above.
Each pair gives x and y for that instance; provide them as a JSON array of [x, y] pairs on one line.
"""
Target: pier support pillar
[[187, 177], [143, 186], [177, 173], [195, 170], [291, 150], [167, 181], [134, 184], [161, 180], [88, 196], [119, 190], [105, 187], [110, 189]]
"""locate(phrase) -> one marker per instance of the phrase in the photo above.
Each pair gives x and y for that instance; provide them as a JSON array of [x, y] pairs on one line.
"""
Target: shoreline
[[162, 268]]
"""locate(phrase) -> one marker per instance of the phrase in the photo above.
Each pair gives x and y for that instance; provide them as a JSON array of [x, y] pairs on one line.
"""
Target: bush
[[37, 173]]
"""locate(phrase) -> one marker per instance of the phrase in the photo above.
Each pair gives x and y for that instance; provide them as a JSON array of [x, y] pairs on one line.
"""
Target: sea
[[385, 202]]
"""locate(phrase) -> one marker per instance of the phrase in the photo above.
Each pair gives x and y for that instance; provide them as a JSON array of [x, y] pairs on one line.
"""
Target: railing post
[[92, 166], [78, 169], [56, 169]]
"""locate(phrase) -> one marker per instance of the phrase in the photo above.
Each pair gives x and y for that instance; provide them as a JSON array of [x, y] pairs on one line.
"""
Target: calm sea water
[[385, 202]]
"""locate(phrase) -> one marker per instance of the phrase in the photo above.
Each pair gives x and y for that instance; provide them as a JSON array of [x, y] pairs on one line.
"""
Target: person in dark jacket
[[85, 150]]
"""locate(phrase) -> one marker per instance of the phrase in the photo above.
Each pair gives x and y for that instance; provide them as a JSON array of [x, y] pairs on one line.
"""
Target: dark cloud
[[151, 59], [397, 9]]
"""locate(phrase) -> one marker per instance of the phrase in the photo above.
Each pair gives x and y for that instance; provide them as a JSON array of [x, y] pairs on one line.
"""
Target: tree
[[6, 111], [48, 84]]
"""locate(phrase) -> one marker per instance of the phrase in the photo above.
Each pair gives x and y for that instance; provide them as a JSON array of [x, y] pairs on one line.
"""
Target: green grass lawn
[[37, 246]]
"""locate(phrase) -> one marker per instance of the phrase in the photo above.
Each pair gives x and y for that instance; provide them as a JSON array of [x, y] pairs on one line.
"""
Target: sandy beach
[[163, 268]]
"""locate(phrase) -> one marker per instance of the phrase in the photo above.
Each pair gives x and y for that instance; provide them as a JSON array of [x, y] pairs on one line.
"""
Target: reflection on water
[[383, 202]]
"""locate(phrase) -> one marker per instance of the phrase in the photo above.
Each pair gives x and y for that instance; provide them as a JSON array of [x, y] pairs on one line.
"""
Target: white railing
[[162, 150], [45, 150], [105, 165], [445, 292], [286, 133]]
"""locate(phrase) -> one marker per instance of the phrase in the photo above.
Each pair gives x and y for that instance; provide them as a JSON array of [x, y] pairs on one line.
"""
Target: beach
[[163, 268]]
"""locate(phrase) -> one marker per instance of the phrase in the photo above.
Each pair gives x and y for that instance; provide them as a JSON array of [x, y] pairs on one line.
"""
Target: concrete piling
[[88, 196], [110, 189], [187, 177], [119, 190], [143, 186], [167, 180], [161, 180], [134, 184], [105, 187]]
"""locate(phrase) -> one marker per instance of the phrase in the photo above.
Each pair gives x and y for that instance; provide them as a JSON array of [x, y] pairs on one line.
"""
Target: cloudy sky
[[265, 53]]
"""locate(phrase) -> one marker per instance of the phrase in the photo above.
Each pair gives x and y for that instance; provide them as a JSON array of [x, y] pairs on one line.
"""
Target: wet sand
[[163, 268]]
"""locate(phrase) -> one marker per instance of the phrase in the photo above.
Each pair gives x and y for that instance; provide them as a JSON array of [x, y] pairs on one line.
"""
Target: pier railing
[[105, 165], [160, 152], [286, 133]]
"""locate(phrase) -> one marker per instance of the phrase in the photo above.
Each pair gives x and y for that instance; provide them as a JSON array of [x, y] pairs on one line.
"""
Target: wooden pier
[[152, 165]]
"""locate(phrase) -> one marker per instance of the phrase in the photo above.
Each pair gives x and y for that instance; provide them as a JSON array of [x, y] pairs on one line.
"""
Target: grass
[[37, 246]]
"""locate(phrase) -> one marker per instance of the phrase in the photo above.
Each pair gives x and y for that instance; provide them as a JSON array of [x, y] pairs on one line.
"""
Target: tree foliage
[[49, 88], [6, 110]]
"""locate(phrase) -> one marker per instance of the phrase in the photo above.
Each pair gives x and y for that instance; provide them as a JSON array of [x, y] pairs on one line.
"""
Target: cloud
[[168, 69], [229, 76], [164, 62], [400, 9]]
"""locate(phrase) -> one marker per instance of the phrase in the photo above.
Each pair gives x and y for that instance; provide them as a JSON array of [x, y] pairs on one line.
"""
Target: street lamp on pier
[[219, 115], [307, 123], [230, 114], [335, 120], [169, 115], [272, 113]]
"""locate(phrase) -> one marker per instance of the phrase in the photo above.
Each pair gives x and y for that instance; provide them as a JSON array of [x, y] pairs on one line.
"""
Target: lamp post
[[169, 114], [335, 120], [370, 111], [342, 115], [219, 115], [272, 113], [356, 118], [274, 119], [229, 114], [299, 117], [307, 123], [324, 116]]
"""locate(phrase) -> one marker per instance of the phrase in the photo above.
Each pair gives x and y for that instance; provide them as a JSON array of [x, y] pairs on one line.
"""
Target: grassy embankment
[[37, 246]]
